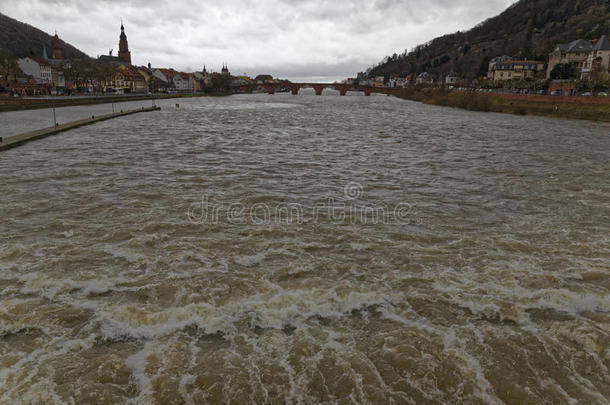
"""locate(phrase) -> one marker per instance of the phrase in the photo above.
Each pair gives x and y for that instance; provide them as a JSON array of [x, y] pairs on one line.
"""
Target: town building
[[183, 82], [516, 70], [452, 78], [171, 80], [260, 79], [598, 59], [575, 53], [124, 53], [58, 48], [125, 79], [379, 81], [58, 80], [124, 56], [199, 81], [164, 78], [240, 81], [424, 78], [494, 61], [134, 81], [39, 69], [58, 61], [397, 81], [154, 84]]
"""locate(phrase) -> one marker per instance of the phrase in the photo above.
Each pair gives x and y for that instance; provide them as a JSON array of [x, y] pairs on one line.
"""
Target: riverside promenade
[[16, 140]]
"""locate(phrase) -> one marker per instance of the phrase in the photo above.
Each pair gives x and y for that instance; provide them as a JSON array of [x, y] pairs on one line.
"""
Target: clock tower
[[124, 53]]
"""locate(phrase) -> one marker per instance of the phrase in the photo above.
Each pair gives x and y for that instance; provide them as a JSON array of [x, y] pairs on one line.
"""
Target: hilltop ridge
[[527, 29], [23, 40]]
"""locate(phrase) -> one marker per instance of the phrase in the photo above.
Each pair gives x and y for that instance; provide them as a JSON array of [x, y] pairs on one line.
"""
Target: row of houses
[[397, 81], [125, 78], [121, 78], [585, 56]]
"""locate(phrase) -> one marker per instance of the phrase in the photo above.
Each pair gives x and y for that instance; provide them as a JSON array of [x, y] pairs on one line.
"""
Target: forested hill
[[24, 40], [528, 29]]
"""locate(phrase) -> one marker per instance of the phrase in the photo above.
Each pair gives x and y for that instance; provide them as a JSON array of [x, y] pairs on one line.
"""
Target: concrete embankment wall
[[16, 140]]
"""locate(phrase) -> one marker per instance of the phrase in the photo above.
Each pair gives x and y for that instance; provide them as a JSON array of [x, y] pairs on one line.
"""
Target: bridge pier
[[318, 89], [294, 89], [270, 89], [342, 90]]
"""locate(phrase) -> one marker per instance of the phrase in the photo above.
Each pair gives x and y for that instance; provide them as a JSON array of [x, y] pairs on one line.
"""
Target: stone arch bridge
[[294, 88]]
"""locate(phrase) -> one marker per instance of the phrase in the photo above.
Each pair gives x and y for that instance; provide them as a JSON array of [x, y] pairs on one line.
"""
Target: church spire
[[124, 53], [58, 48]]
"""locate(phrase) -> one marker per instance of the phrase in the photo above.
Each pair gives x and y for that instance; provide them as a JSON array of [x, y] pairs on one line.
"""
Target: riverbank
[[18, 103], [589, 108]]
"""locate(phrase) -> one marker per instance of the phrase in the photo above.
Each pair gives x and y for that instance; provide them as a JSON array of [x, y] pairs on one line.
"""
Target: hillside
[[528, 29], [24, 40]]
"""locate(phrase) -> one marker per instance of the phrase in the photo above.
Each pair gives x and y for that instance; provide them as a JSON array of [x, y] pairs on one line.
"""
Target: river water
[[282, 249]]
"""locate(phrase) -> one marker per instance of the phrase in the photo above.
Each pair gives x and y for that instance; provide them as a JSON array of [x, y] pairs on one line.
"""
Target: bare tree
[[8, 68]]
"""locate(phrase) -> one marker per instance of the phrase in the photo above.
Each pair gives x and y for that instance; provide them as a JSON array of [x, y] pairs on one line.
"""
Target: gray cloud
[[289, 38]]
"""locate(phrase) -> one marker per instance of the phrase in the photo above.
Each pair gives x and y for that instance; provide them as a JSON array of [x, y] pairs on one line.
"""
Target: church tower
[[58, 48], [124, 53]]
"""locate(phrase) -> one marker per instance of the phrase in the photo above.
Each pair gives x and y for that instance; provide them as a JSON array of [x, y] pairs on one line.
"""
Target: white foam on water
[[359, 247], [21, 380], [41, 392], [51, 288], [137, 364], [570, 301], [274, 309], [469, 366], [250, 261]]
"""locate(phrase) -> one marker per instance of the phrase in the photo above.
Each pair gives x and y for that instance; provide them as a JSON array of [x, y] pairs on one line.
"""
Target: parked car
[[556, 93], [587, 94], [542, 92], [602, 94]]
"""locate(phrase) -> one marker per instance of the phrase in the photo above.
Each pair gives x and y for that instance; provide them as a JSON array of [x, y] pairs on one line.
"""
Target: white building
[[452, 78], [493, 62], [183, 82], [399, 82], [158, 73], [38, 69], [599, 58]]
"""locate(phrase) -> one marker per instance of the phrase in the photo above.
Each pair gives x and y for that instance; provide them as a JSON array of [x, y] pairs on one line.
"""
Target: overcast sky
[[286, 38]]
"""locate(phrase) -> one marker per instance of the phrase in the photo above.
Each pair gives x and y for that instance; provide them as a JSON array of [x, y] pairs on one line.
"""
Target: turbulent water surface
[[273, 249]]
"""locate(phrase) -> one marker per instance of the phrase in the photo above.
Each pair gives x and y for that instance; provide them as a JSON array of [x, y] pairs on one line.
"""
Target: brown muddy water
[[281, 249]]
